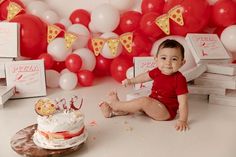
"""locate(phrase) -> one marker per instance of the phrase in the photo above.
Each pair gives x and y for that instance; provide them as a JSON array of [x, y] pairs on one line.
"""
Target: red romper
[[166, 88]]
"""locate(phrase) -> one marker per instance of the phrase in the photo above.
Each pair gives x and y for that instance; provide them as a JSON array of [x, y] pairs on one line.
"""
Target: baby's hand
[[126, 82], [181, 125]]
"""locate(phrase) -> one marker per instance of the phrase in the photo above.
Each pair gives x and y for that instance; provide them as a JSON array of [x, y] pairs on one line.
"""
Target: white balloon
[[64, 71], [105, 18], [50, 17], [228, 38], [105, 52], [130, 73], [88, 58], [52, 78], [66, 22], [27, 2], [83, 35], [37, 7], [122, 5], [92, 27], [57, 49], [68, 81], [190, 62], [212, 2]]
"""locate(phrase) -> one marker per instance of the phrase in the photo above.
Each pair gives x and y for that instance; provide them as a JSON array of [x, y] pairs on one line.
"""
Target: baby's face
[[169, 60]]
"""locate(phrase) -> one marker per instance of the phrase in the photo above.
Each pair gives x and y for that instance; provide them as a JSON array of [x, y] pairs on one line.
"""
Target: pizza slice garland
[[176, 15], [12, 10], [113, 45], [126, 40], [97, 44], [53, 32], [163, 23], [70, 39]]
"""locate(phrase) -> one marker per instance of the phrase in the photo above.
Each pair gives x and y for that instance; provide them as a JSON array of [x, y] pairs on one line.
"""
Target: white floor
[[212, 133]]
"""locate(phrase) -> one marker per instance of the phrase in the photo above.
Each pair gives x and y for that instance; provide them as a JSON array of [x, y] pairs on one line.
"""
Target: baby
[[169, 89]]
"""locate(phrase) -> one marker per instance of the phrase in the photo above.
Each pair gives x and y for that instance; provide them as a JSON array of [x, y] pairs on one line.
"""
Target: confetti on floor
[[93, 123]]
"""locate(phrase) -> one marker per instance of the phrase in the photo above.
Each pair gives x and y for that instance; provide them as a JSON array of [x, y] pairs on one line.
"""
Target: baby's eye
[[163, 58], [174, 59]]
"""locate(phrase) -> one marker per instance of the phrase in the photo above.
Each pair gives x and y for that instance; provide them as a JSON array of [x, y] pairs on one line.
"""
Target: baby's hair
[[170, 43]]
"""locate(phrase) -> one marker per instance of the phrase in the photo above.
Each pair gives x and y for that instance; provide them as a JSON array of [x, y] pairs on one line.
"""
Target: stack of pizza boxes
[[218, 75], [9, 49]]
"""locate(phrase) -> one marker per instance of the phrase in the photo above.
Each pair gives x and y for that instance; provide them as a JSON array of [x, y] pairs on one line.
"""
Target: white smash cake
[[59, 128]]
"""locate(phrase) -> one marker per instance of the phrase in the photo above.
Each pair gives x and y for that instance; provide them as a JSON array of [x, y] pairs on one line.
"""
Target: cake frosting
[[62, 129]]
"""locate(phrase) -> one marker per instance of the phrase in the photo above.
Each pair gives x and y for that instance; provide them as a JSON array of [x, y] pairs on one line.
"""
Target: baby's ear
[[183, 62]]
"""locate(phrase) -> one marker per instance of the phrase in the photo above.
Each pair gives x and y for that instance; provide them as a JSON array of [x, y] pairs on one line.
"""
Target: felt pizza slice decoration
[[53, 32], [12, 10], [70, 39], [176, 15], [113, 45], [163, 23], [98, 44], [45, 107], [126, 40]]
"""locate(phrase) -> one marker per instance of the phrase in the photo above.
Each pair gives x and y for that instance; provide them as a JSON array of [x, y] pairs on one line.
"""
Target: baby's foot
[[106, 109], [113, 97]]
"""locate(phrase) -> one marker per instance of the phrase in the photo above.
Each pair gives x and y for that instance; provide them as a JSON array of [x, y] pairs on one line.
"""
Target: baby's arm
[[141, 78], [182, 122]]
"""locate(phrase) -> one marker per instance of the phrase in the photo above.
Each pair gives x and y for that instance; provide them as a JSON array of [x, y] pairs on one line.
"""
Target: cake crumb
[[93, 123], [129, 128]]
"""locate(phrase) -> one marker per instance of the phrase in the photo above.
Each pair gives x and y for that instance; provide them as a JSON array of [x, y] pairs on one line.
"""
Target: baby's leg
[[150, 106]]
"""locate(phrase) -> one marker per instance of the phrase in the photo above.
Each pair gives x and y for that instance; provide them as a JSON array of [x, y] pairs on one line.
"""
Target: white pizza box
[[141, 65], [222, 68], [9, 39], [216, 80], [228, 99], [195, 72], [2, 66], [202, 90], [27, 76], [207, 48], [6, 92]]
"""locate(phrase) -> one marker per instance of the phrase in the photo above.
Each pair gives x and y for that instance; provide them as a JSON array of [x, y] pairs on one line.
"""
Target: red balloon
[[152, 6], [140, 44], [218, 31], [33, 35], [89, 45], [85, 77], [80, 16], [118, 68], [73, 62], [170, 4], [102, 67], [4, 5], [61, 26], [224, 13], [129, 21], [196, 16], [144, 54], [148, 25], [59, 66], [48, 60]]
